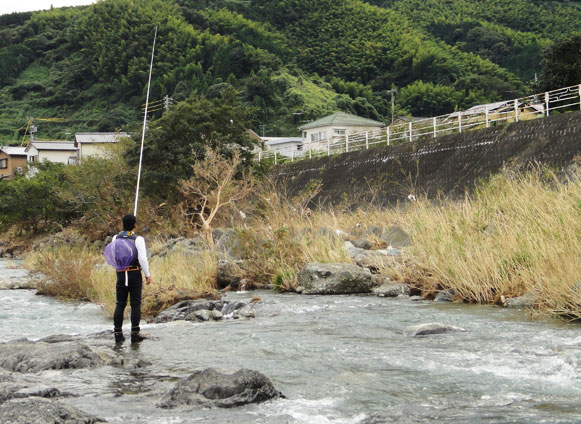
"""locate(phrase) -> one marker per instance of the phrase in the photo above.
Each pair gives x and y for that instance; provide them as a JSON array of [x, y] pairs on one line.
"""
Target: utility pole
[[166, 102], [392, 92]]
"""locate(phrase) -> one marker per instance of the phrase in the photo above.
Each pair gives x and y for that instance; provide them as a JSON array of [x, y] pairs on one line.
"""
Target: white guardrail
[[477, 117]]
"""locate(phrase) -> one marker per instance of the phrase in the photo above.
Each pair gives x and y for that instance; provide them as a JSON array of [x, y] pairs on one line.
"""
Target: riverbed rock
[[27, 357], [41, 410], [392, 290], [362, 243], [364, 257], [211, 388], [202, 315], [20, 279], [334, 278], [216, 315], [445, 296], [189, 310], [525, 301], [243, 313], [395, 237], [429, 328], [229, 273]]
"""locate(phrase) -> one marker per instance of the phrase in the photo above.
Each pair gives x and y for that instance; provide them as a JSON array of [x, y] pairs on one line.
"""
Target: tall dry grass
[[517, 234], [283, 237], [78, 273]]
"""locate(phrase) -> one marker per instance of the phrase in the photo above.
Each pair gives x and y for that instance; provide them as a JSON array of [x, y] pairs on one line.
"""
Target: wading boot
[[136, 336], [119, 338]]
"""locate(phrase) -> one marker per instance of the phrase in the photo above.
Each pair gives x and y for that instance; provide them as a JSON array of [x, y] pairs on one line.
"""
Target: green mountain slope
[[287, 60]]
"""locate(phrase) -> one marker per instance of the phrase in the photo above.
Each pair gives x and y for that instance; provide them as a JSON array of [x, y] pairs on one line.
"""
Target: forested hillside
[[287, 61]]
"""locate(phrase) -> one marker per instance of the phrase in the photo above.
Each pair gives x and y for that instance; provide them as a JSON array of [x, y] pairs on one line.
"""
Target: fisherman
[[130, 282]]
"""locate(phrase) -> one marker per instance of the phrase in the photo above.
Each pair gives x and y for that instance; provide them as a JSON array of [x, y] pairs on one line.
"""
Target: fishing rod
[[144, 124]]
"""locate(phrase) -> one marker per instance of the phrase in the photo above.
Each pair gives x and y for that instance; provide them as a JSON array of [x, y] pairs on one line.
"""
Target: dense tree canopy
[[182, 136], [561, 64]]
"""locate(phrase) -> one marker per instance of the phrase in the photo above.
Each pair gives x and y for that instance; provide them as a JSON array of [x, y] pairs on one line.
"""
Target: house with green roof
[[336, 126]]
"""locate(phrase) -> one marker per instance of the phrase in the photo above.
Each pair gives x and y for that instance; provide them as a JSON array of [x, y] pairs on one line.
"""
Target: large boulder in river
[[526, 301], [28, 357], [40, 410], [429, 328], [211, 388], [229, 273], [334, 278]]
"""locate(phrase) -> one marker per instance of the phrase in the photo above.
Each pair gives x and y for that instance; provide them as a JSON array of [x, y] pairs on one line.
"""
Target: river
[[338, 359]]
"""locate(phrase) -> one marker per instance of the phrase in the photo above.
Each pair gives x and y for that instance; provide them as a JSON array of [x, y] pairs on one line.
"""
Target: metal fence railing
[[477, 117]]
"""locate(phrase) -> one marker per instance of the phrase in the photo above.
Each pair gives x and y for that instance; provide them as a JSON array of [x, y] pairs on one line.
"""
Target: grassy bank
[[516, 234]]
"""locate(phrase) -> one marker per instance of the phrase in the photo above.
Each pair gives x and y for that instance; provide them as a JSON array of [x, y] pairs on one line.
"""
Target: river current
[[339, 359]]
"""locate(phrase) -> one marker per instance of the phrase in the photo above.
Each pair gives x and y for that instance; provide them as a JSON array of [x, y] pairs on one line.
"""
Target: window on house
[[339, 131], [3, 163], [315, 137], [33, 159], [299, 147], [304, 134]]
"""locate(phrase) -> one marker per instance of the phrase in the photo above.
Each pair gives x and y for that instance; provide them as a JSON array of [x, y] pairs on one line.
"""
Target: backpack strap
[[135, 266], [127, 235]]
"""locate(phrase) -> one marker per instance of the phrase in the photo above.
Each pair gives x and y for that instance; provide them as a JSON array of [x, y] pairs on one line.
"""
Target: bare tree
[[213, 189]]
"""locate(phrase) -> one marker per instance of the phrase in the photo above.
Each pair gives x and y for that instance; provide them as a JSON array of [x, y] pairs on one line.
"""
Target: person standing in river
[[130, 283]]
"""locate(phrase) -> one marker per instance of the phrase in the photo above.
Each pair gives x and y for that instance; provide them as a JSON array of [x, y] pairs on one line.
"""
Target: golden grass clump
[[518, 233], [282, 238], [77, 273]]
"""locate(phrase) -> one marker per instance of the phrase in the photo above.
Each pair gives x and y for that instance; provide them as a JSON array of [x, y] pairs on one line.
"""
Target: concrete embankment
[[448, 165]]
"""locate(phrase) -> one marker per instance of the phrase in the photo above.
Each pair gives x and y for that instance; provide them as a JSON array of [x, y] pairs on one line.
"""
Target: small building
[[286, 146], [52, 151], [337, 126], [12, 161], [96, 144]]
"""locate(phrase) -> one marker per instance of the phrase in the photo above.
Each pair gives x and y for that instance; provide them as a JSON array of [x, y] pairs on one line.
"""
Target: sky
[[10, 6]]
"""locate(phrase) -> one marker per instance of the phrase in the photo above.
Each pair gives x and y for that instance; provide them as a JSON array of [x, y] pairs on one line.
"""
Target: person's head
[[129, 222]]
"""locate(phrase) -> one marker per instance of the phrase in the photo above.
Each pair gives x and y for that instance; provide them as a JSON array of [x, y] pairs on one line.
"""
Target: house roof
[[100, 137], [408, 118], [14, 151], [52, 145], [342, 118], [273, 141]]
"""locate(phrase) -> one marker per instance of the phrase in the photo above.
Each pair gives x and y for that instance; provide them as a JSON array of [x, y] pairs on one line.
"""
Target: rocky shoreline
[[39, 380]]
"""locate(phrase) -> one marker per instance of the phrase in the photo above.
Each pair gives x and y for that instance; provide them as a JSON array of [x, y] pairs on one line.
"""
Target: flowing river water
[[337, 359]]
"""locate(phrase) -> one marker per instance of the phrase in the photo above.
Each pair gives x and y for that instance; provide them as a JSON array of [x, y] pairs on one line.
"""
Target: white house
[[52, 151], [336, 125], [96, 144], [286, 146]]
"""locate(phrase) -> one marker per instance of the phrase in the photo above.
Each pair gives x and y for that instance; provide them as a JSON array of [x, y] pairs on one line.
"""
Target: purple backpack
[[121, 252]]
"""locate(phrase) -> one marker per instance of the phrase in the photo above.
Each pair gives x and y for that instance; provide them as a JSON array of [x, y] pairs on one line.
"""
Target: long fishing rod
[[144, 124]]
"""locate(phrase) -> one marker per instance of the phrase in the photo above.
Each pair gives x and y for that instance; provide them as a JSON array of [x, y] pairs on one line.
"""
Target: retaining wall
[[448, 165]]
